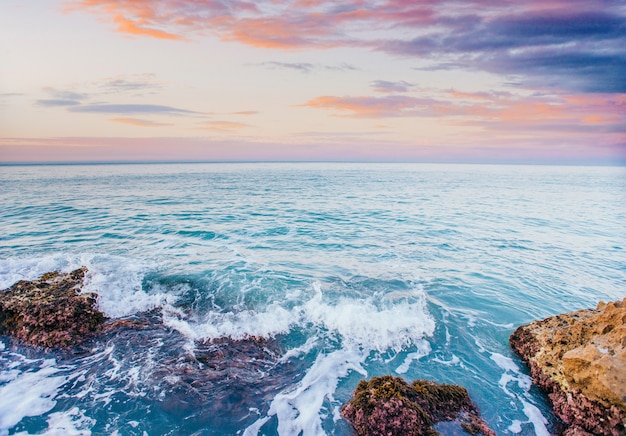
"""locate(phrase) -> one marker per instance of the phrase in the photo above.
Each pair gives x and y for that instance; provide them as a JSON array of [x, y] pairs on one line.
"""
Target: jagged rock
[[579, 359], [51, 311], [390, 406]]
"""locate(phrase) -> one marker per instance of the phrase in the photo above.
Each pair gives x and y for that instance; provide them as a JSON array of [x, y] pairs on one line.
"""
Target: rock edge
[[579, 359]]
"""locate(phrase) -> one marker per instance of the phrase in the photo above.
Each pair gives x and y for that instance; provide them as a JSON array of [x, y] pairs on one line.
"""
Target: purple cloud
[[126, 109], [51, 102], [574, 45], [385, 86]]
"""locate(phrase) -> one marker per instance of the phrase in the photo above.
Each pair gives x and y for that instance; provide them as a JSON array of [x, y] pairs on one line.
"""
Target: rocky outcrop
[[390, 406], [579, 359], [51, 311]]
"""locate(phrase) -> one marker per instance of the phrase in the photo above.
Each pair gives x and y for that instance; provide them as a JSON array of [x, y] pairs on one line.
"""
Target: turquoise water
[[347, 270]]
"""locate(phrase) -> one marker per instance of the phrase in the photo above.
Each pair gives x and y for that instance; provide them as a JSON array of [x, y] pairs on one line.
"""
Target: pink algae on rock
[[50, 312], [388, 405]]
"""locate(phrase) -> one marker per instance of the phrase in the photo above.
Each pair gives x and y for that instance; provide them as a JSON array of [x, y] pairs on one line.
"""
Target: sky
[[523, 81]]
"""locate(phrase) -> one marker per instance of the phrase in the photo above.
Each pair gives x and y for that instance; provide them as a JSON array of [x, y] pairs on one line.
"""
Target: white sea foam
[[117, 280], [512, 374], [14, 269], [506, 363], [118, 283], [299, 351], [371, 323], [254, 428], [70, 423], [453, 361], [516, 426], [363, 326], [536, 418], [299, 410], [119, 376], [423, 350], [29, 393], [236, 325]]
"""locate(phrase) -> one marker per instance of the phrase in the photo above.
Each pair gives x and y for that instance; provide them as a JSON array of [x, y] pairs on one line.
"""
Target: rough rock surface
[[390, 406], [51, 311], [579, 359]]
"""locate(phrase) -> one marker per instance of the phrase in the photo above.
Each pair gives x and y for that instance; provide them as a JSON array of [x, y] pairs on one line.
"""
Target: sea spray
[[28, 389], [372, 325]]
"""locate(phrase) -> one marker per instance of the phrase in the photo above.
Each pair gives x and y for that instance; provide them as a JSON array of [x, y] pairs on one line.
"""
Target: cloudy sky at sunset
[[526, 81]]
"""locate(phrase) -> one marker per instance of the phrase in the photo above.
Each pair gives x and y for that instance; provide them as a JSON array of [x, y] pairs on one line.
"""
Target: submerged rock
[[579, 359], [209, 382], [390, 406], [51, 311]]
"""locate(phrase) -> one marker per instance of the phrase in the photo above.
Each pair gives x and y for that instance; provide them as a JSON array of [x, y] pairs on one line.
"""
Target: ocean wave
[[117, 280]]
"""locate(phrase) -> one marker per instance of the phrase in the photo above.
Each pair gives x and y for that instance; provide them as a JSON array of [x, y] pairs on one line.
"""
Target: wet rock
[[224, 378], [390, 406], [215, 382], [579, 359], [50, 312]]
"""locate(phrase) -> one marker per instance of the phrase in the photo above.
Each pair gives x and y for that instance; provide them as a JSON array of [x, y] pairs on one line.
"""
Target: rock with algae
[[50, 312], [390, 406], [579, 359]]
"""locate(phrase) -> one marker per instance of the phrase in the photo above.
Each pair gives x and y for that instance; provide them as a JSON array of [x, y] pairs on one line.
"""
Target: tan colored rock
[[579, 358]]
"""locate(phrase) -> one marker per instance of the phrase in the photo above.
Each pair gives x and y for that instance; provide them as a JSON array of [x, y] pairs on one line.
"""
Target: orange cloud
[[372, 107], [492, 111], [135, 17], [126, 25]]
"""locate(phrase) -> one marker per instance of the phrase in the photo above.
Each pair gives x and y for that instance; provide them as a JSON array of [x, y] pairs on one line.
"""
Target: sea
[[258, 295]]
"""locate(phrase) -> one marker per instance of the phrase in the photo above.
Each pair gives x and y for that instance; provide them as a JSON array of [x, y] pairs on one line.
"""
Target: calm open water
[[346, 270]]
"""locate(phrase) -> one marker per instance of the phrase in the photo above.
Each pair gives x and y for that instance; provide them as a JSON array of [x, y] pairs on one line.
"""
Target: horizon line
[[232, 161]]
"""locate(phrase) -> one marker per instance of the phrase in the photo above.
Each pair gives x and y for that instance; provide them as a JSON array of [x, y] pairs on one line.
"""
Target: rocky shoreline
[[578, 359]]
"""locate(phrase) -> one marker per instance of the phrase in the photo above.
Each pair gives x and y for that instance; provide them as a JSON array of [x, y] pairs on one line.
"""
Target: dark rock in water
[[390, 406], [212, 383], [223, 379], [51, 311], [579, 359]]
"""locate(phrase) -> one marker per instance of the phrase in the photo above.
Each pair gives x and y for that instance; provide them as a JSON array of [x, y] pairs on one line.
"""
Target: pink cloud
[[281, 26], [138, 122], [224, 126], [374, 107], [588, 115], [571, 45], [245, 113]]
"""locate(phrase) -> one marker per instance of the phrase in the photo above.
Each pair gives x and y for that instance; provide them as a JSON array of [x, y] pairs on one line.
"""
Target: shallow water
[[346, 270]]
